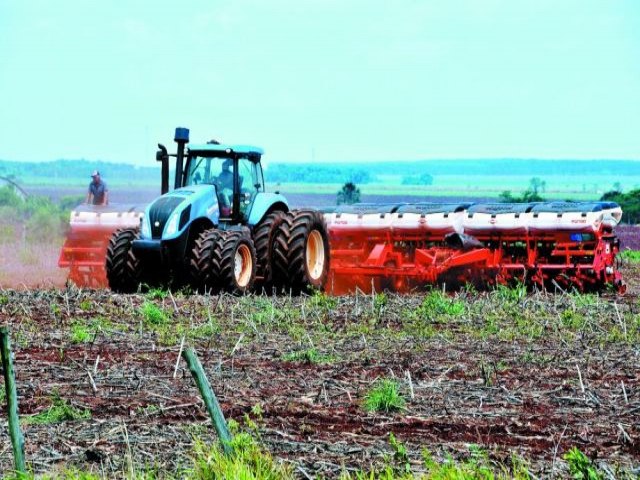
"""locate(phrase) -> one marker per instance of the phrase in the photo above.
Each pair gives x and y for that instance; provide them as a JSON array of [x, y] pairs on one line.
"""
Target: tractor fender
[[265, 203]]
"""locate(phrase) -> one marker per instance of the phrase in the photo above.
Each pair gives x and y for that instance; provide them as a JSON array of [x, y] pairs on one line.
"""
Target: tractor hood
[[166, 217]]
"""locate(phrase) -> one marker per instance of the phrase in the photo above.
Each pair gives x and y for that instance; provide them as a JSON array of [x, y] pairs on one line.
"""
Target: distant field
[[310, 197], [318, 183], [386, 188], [461, 186]]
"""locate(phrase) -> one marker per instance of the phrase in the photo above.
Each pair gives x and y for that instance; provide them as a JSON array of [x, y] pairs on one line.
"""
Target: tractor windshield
[[210, 170], [220, 171]]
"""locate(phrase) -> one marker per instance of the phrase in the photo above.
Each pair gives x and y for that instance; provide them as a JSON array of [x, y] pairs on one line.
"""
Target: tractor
[[218, 230]]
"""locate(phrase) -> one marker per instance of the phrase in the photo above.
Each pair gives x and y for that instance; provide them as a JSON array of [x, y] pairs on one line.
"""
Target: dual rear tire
[[223, 261], [288, 252], [301, 252]]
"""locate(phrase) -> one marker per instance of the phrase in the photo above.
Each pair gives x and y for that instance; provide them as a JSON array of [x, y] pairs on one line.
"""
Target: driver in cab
[[225, 179], [225, 182]]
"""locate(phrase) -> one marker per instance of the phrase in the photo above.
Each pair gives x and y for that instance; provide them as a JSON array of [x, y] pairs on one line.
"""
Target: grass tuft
[[80, 333], [580, 466], [248, 461], [437, 303], [384, 397], [153, 315], [59, 411], [310, 355]]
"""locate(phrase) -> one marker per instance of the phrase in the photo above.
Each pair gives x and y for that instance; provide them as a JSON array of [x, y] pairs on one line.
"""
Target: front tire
[[122, 266], [203, 275]]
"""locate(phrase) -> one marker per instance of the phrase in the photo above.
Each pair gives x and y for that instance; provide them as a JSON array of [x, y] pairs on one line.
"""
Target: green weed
[[476, 467], [59, 411], [400, 453], [384, 397], [323, 302], [310, 355], [157, 294], [572, 319], [510, 294], [380, 301], [85, 331], [153, 315], [580, 466], [437, 303], [631, 256], [171, 333], [80, 333], [85, 305], [149, 410], [248, 462], [584, 300], [264, 312]]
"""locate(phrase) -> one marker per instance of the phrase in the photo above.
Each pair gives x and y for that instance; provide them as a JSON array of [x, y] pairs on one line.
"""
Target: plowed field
[[530, 376]]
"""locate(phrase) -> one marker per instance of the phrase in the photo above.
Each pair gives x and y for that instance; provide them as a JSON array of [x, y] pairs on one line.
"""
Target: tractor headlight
[[146, 228], [172, 225]]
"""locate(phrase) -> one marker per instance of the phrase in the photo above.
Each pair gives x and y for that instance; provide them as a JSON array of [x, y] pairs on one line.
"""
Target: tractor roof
[[225, 149]]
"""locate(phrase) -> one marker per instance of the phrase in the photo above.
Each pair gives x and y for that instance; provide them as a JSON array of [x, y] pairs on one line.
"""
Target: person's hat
[[95, 173]]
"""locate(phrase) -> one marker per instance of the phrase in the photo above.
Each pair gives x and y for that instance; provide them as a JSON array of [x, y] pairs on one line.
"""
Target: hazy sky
[[325, 79]]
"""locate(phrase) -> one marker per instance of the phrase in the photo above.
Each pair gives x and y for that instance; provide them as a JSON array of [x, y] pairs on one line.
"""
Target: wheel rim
[[243, 264], [315, 255]]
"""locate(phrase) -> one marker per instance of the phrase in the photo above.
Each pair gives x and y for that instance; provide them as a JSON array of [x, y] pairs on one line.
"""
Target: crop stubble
[[517, 392]]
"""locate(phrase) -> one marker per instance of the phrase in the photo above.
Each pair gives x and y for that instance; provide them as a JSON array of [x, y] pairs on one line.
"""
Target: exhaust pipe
[[163, 156], [181, 138]]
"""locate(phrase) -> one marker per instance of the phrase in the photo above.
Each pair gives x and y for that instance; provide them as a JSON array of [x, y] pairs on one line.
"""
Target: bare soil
[[25, 265], [533, 395]]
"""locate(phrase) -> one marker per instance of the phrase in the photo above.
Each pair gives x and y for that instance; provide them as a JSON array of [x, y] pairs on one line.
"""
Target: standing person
[[98, 193]]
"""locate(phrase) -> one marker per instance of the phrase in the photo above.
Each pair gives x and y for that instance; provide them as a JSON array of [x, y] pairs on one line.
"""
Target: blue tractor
[[218, 230]]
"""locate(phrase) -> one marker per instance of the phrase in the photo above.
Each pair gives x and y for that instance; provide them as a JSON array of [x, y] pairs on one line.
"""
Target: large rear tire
[[302, 250], [122, 266], [234, 261], [203, 275], [264, 236]]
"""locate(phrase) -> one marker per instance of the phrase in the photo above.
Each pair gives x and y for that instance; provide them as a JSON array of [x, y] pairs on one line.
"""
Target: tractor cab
[[235, 172]]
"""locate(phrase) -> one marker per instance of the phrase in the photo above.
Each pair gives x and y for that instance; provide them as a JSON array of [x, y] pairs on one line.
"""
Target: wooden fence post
[[17, 440], [210, 400]]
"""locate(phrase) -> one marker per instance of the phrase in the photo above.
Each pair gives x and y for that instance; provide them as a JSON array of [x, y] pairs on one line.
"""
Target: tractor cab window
[[250, 182], [214, 171], [203, 170]]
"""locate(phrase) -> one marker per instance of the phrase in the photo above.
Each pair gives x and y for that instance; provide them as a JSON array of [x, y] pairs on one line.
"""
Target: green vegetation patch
[[84, 331], [438, 304], [631, 256], [248, 461], [310, 355], [59, 411], [153, 315], [384, 397]]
